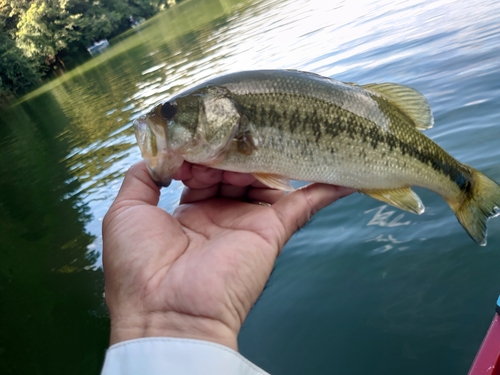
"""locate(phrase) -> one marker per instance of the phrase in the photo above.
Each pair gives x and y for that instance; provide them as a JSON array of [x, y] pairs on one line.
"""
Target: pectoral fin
[[403, 198], [244, 143], [274, 181]]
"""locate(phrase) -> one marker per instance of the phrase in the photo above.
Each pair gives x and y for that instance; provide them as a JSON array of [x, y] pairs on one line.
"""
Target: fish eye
[[168, 110]]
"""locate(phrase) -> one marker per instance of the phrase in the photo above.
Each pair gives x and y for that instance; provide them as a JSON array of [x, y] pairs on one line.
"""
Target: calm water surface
[[363, 288]]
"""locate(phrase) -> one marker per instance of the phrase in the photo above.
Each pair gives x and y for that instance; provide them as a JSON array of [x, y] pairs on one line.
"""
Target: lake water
[[363, 288]]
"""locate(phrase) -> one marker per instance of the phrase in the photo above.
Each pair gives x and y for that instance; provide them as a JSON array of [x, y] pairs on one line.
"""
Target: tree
[[17, 73], [45, 30], [39, 36]]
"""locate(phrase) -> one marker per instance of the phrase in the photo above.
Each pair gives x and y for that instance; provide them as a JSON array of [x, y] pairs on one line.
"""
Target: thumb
[[138, 188]]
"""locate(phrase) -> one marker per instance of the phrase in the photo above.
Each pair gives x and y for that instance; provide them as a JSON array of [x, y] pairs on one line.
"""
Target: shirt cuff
[[175, 356]]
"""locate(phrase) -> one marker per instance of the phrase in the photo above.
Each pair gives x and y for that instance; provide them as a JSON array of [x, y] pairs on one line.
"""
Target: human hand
[[197, 273]]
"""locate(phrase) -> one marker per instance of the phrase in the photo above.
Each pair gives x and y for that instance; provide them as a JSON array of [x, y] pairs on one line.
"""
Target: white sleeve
[[175, 356]]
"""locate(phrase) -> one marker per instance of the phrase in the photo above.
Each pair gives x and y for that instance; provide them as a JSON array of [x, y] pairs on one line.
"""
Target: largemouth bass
[[283, 124]]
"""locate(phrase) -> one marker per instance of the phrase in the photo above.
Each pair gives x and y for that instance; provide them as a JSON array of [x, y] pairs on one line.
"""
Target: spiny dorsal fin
[[409, 100], [403, 198]]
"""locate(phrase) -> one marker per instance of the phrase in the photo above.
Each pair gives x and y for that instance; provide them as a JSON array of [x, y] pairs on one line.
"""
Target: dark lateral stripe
[[295, 119]]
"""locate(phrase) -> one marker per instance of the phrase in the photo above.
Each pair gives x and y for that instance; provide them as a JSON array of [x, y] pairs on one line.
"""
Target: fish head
[[197, 126]]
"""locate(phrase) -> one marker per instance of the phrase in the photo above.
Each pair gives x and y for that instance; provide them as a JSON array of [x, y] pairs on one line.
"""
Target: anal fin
[[403, 198], [274, 181]]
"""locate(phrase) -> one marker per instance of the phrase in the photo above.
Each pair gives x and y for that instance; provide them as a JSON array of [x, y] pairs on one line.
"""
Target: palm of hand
[[199, 270]]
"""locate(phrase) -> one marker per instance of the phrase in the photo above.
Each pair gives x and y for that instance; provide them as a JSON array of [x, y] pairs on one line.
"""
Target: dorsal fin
[[408, 100]]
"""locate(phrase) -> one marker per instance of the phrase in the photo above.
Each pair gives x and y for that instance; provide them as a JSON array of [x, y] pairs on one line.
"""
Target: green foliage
[[17, 73], [40, 36], [39, 33]]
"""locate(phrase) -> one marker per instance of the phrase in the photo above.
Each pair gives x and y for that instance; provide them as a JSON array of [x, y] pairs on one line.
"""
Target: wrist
[[172, 324]]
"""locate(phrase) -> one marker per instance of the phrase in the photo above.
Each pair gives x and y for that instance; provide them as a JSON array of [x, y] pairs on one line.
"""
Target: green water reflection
[[55, 146], [52, 312]]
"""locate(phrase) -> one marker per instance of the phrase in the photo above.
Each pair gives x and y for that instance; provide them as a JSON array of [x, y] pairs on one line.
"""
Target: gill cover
[[206, 122]]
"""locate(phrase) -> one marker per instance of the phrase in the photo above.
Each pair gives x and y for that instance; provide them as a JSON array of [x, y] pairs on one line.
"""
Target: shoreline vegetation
[[41, 39]]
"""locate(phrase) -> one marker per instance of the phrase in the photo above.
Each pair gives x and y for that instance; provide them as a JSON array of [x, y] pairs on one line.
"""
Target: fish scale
[[282, 124], [333, 138]]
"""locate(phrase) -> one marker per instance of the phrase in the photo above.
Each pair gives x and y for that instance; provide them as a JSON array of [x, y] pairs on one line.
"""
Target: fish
[[287, 124]]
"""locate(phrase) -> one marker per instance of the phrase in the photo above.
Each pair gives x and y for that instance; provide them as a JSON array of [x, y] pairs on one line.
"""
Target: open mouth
[[152, 142]]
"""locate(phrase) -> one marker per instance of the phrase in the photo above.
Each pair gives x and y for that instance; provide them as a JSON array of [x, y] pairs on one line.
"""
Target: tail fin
[[483, 202]]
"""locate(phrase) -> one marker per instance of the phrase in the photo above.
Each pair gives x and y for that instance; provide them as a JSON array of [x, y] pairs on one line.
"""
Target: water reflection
[[391, 244], [384, 218], [49, 288], [331, 306], [390, 218]]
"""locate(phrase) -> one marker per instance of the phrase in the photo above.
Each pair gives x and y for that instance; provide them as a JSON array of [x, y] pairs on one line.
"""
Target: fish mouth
[[161, 162]]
